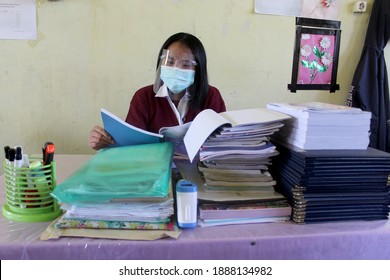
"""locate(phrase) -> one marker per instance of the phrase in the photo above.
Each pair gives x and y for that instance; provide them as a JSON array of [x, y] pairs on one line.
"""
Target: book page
[[175, 135], [201, 128], [253, 116], [175, 132]]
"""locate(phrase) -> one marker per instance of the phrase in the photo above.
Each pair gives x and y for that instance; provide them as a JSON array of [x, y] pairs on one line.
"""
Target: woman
[[180, 92]]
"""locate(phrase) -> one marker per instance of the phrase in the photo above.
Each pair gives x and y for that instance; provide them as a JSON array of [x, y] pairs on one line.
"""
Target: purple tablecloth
[[272, 241]]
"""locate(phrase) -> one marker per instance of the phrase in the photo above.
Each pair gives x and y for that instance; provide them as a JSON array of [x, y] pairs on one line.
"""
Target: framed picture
[[316, 55]]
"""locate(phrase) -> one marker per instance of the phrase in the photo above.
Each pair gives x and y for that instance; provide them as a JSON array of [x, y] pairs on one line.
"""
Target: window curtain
[[369, 90]]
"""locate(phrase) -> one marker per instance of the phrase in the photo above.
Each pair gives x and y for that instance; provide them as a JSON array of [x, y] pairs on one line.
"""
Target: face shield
[[176, 71]]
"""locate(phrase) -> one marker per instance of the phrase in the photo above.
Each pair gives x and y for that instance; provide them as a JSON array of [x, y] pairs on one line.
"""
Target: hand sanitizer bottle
[[186, 202]]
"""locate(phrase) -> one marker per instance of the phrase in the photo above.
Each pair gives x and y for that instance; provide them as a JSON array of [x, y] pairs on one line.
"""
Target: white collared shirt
[[182, 108]]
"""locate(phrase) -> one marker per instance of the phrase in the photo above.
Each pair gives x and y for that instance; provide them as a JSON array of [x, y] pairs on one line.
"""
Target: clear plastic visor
[[168, 58]]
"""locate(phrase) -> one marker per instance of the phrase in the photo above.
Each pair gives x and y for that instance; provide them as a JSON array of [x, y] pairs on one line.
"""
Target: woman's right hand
[[99, 138]]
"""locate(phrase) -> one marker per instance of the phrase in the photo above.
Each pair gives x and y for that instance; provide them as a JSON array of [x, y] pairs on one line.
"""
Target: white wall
[[95, 53]]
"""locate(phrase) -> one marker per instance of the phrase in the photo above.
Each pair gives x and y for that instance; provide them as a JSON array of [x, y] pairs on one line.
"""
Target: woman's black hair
[[199, 89]]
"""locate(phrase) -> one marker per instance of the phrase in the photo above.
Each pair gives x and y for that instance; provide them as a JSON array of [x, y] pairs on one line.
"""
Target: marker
[[20, 176], [48, 153], [11, 156], [18, 157], [44, 151], [6, 151]]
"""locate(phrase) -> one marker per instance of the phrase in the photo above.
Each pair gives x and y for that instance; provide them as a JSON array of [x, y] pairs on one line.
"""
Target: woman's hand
[[99, 138]]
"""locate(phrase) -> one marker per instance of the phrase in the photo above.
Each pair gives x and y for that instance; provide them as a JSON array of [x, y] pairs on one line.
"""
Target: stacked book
[[120, 188], [238, 157], [235, 159], [318, 126], [216, 214], [334, 185]]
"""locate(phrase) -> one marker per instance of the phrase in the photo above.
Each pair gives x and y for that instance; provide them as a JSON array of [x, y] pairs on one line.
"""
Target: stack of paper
[[319, 126], [334, 185], [118, 215], [122, 188], [236, 156], [234, 162], [213, 214]]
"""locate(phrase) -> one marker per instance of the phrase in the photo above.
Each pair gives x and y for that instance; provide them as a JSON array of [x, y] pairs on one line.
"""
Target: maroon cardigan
[[151, 113]]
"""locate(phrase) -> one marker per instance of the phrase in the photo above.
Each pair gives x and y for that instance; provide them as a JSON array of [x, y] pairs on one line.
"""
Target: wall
[[94, 53]]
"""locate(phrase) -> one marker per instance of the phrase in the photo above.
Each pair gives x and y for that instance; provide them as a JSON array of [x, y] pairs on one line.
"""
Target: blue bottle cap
[[186, 186]]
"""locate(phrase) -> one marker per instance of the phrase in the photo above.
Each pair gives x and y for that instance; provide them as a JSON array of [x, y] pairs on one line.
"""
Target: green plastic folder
[[131, 172]]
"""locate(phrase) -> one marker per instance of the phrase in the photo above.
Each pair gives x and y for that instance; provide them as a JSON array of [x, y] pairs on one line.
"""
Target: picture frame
[[316, 55]]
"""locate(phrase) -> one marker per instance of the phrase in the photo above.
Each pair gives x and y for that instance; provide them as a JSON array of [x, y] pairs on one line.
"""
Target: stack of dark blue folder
[[334, 185]]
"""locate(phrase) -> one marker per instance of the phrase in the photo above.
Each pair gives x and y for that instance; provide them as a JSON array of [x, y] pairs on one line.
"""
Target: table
[[271, 241]]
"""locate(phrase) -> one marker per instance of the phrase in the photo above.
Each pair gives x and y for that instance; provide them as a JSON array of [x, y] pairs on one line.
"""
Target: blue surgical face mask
[[176, 79]]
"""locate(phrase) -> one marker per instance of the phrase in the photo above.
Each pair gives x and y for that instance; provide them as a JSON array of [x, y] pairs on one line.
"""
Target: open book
[[193, 134], [125, 134]]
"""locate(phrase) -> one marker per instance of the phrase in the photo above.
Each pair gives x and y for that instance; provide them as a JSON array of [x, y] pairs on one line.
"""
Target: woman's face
[[180, 56]]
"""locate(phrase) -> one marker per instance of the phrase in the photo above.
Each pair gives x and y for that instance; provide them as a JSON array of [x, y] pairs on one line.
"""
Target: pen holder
[[27, 191]]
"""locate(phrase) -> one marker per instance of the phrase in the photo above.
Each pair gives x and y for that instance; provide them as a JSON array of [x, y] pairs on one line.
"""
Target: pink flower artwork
[[316, 59]]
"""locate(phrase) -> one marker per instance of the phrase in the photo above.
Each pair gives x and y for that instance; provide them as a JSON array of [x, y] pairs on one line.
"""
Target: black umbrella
[[370, 89]]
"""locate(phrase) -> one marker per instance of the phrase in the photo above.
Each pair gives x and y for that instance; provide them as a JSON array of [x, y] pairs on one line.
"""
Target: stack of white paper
[[322, 126], [154, 212]]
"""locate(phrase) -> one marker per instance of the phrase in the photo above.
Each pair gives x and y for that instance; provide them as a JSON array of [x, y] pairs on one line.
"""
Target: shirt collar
[[162, 91], [182, 109]]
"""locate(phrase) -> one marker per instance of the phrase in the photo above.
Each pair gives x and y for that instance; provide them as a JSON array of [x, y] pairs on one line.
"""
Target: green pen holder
[[28, 192]]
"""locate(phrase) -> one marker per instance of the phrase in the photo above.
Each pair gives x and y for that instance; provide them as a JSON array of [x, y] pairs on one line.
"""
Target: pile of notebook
[[317, 125], [120, 188], [334, 185], [235, 159], [225, 213]]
